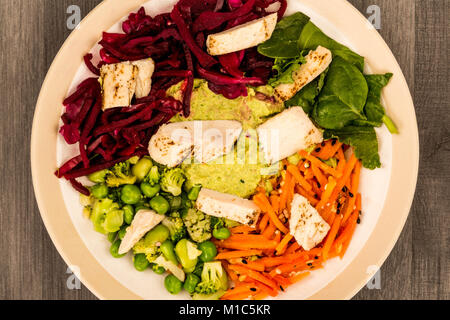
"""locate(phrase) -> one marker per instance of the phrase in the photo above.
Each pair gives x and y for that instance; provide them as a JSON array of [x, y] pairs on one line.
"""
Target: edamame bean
[[160, 233], [112, 236], [158, 269], [175, 203], [159, 204], [167, 249], [114, 249], [209, 251], [98, 177], [122, 231], [191, 282], [221, 233], [193, 193], [140, 262], [148, 190], [128, 213], [187, 254], [130, 194], [173, 284], [141, 168], [100, 191]]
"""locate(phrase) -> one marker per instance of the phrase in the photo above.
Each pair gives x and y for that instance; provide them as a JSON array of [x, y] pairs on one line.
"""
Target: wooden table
[[32, 31]]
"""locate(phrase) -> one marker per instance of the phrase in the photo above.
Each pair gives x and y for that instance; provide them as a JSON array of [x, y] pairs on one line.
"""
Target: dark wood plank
[[416, 31]]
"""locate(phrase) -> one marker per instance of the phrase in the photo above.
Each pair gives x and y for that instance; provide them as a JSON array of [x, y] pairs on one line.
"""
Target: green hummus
[[239, 172]]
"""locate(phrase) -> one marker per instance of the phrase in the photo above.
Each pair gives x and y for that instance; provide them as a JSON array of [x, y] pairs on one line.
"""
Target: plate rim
[[97, 279]]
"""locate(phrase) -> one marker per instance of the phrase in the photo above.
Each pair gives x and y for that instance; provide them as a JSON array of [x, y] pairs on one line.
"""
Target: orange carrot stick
[[263, 222], [238, 254], [331, 236], [281, 248], [254, 275], [298, 177], [307, 195], [325, 168], [329, 188], [263, 203], [319, 175]]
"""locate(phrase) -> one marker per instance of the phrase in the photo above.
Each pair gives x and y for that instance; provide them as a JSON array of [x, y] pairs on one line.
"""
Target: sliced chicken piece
[[228, 206], [242, 37], [121, 81], [306, 224], [118, 84], [287, 133], [205, 140], [143, 221], [146, 67], [317, 61], [214, 138]]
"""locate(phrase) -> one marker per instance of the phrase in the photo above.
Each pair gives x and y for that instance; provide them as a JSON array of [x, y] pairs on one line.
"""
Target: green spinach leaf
[[343, 96], [374, 111], [306, 98], [284, 40], [311, 37], [363, 140], [285, 68]]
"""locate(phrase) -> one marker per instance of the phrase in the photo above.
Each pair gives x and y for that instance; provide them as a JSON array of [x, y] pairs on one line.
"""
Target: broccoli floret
[[120, 174], [176, 228], [172, 181], [198, 225], [153, 176], [214, 278], [217, 223], [106, 216]]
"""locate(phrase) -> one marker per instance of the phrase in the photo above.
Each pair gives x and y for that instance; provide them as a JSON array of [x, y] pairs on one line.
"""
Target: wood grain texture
[[417, 32]]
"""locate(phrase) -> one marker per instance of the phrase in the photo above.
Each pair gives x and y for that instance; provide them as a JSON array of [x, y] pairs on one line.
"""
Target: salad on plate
[[221, 145]]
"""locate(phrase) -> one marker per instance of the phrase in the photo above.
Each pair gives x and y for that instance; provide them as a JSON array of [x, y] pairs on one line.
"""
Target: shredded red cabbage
[[176, 41]]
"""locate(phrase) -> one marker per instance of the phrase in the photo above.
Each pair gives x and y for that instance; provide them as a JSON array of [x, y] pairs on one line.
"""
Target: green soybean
[[112, 236], [99, 176], [173, 284], [221, 233], [140, 262], [168, 250], [130, 194], [191, 282], [100, 191], [193, 193], [175, 203], [209, 251], [158, 269], [160, 233], [150, 190], [142, 168], [187, 254], [159, 204], [122, 231], [128, 213], [114, 249]]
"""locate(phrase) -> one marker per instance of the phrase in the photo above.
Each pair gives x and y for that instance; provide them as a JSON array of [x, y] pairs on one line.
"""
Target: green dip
[[235, 173]]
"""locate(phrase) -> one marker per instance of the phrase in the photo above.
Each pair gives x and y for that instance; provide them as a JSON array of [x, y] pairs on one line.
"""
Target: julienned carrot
[[263, 203], [331, 236], [238, 254], [278, 260], [282, 281], [275, 202], [268, 290], [285, 190], [288, 267], [254, 275], [292, 248], [354, 189], [245, 245], [298, 177], [281, 248], [263, 222], [247, 294], [242, 229], [260, 295], [232, 274], [329, 188], [240, 287], [269, 231], [254, 265], [320, 164], [304, 193], [346, 233], [319, 175]]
